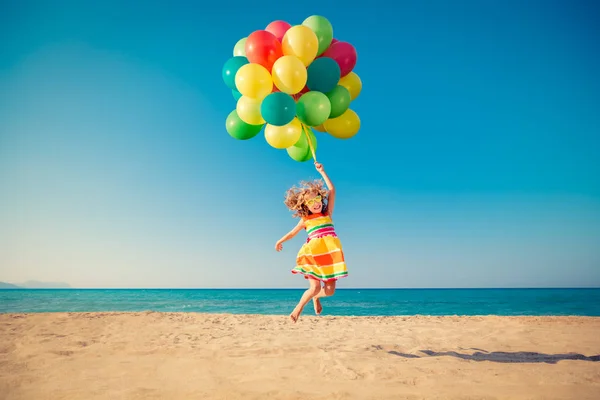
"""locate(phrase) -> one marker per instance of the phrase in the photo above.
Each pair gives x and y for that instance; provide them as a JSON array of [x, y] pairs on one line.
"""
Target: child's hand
[[278, 246], [319, 167]]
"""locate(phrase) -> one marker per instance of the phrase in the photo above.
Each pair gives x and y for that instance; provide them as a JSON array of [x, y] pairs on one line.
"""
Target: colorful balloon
[[313, 139], [343, 127], [238, 129], [313, 108], [344, 54], [323, 75], [295, 81], [248, 109], [300, 151], [353, 83], [253, 80], [278, 109], [281, 137], [240, 48], [322, 28], [230, 68], [300, 154], [289, 74], [300, 41], [278, 29], [339, 98], [263, 48]]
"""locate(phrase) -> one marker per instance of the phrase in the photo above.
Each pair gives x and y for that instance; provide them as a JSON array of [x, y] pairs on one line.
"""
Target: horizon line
[[302, 288]]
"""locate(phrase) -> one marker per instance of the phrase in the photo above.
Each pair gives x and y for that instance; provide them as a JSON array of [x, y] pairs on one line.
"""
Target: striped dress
[[321, 257]]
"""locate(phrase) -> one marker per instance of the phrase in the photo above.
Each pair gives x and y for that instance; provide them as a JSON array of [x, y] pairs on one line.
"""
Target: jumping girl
[[321, 258]]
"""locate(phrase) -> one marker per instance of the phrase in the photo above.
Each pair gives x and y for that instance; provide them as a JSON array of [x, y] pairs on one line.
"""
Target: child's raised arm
[[331, 196], [289, 235]]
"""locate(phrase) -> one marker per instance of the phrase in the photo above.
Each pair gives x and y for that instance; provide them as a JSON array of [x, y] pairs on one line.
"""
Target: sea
[[345, 302]]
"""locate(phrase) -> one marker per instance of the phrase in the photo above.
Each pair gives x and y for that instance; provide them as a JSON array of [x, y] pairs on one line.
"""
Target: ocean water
[[346, 302]]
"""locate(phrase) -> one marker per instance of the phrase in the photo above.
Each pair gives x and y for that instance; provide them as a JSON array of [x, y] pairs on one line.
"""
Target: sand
[[201, 356]]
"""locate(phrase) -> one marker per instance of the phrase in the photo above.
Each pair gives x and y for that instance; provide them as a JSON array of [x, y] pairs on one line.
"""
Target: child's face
[[314, 202]]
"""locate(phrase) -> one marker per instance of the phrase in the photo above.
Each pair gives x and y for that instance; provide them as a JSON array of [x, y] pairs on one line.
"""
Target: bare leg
[[327, 290], [313, 289], [318, 305]]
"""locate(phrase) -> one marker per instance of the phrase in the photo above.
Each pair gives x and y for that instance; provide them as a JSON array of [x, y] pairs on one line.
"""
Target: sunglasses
[[311, 202]]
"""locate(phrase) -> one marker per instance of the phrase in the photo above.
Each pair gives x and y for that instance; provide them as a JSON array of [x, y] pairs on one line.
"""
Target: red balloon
[[263, 48], [278, 29], [334, 40], [344, 54]]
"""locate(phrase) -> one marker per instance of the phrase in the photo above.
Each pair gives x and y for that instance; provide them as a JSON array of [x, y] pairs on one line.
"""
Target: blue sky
[[476, 164]]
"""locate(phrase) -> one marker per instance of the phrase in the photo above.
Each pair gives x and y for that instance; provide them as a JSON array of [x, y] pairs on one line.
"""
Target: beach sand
[[200, 356]]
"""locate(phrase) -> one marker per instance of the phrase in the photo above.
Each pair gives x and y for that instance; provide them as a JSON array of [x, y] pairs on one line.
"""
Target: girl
[[321, 258]]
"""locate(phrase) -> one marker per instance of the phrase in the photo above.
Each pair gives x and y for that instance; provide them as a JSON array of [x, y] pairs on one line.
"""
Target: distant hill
[[4, 285], [35, 285], [44, 285]]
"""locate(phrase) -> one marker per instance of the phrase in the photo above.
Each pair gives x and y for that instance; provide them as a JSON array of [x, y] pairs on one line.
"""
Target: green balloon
[[299, 154], [313, 108], [340, 101], [301, 150], [240, 47], [303, 142], [240, 130], [322, 28]]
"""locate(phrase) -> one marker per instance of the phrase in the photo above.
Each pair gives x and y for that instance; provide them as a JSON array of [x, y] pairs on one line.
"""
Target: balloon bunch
[[289, 79]]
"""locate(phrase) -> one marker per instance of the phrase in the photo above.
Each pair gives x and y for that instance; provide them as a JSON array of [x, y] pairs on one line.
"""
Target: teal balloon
[[236, 94], [323, 75], [278, 109], [322, 28], [313, 108], [240, 130], [230, 68], [340, 99]]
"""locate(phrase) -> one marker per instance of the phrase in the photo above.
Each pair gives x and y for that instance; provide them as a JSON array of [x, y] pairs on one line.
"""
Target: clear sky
[[477, 164]]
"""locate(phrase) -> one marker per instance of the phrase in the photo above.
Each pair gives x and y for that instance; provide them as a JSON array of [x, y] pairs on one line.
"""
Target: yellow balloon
[[343, 127], [353, 83], [319, 128], [289, 74], [254, 80], [282, 137], [302, 42], [248, 109]]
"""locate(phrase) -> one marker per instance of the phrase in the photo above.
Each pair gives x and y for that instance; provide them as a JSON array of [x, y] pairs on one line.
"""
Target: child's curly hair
[[295, 197]]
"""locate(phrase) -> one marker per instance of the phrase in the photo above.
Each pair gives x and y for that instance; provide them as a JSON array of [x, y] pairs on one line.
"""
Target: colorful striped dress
[[321, 257]]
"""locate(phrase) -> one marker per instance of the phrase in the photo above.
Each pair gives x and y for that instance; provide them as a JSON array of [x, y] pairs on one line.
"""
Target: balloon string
[[312, 149]]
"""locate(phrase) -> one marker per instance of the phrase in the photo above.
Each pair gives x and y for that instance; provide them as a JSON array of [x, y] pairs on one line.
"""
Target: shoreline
[[182, 355], [303, 288], [308, 314]]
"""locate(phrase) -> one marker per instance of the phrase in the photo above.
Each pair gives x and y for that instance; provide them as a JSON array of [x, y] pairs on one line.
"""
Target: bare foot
[[295, 314], [318, 306]]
